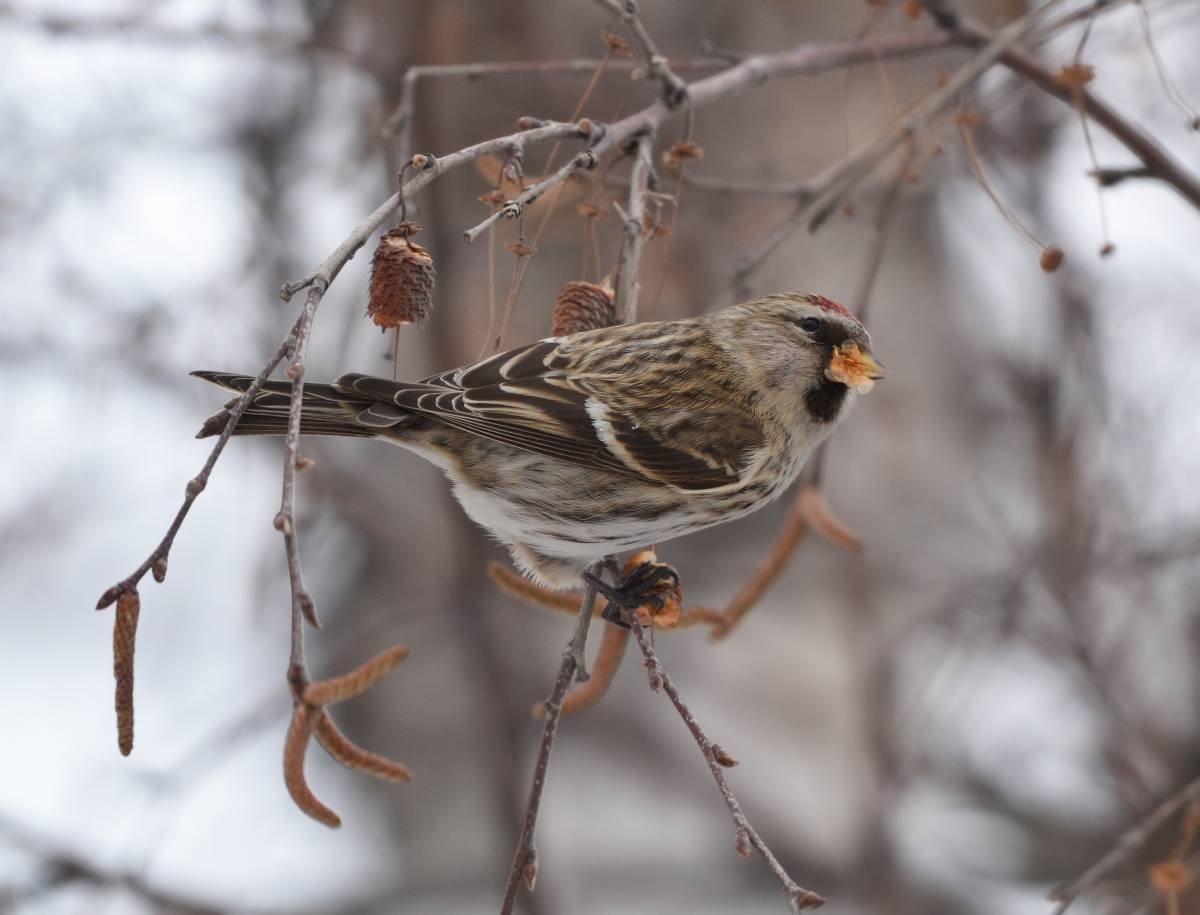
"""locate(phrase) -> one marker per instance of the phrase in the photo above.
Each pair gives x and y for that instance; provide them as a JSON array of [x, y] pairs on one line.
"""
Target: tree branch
[[745, 837], [634, 231], [524, 864], [1156, 161], [513, 208], [832, 184], [431, 169], [674, 89]]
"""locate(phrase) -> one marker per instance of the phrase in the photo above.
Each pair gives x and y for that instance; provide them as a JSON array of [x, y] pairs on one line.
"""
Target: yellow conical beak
[[854, 367]]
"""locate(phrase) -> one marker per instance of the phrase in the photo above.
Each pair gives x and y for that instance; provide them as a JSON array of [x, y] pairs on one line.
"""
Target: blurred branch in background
[[909, 695]]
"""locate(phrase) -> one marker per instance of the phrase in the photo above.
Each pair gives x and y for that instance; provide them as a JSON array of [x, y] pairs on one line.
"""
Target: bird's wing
[[628, 400]]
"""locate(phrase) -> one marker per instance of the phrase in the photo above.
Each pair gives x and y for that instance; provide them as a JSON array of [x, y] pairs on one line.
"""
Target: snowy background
[[963, 715]]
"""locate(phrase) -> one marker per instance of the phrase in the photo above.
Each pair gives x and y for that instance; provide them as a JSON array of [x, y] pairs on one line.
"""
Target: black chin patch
[[824, 400]]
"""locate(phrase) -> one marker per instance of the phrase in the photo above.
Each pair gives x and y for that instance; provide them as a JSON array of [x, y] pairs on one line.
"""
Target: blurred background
[[954, 720]]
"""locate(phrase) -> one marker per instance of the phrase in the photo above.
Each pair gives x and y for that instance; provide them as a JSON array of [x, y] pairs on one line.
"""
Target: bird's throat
[[824, 399]]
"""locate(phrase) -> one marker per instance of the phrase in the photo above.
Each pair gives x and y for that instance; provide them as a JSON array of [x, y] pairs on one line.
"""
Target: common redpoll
[[575, 448]]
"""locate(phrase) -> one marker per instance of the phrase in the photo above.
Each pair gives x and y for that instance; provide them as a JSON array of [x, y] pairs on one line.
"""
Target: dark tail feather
[[326, 410]]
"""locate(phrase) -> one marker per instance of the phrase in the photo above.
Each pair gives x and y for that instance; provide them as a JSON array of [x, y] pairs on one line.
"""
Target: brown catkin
[[582, 306], [124, 634], [352, 756], [358, 681], [402, 279], [294, 747]]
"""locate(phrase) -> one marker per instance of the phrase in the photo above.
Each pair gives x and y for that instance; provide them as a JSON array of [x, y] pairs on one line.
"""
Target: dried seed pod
[[674, 157], [402, 279], [1171, 876], [1076, 76], [1051, 258], [582, 306], [617, 45]]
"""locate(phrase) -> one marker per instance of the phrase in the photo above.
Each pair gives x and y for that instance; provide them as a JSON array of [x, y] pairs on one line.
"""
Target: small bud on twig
[[654, 674], [308, 608], [529, 869], [722, 756], [742, 843], [110, 595]]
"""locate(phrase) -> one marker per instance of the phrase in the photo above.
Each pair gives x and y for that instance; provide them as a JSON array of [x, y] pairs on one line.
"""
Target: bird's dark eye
[[810, 325]]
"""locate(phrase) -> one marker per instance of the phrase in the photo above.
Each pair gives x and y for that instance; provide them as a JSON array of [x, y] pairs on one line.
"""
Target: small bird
[[575, 448]]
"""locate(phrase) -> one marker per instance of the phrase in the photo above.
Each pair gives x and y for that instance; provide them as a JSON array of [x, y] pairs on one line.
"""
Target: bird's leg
[[647, 585]]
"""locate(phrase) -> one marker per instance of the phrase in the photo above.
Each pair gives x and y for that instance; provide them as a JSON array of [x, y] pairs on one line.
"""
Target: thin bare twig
[[604, 668], [745, 836], [303, 607], [125, 626], [432, 169], [157, 560], [513, 208], [674, 89], [992, 47], [1110, 177], [1129, 844], [752, 71], [401, 118], [524, 865]]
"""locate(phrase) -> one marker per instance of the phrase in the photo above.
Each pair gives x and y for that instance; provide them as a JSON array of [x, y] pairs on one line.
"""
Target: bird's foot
[[649, 588]]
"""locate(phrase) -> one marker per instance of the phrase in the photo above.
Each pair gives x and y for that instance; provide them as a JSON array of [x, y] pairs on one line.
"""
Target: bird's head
[[803, 350]]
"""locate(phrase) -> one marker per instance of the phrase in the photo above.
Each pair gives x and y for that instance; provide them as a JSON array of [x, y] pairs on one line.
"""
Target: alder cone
[[582, 306], [402, 279]]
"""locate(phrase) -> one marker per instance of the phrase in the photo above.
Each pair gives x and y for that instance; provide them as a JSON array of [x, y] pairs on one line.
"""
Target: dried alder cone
[[583, 306], [402, 279]]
